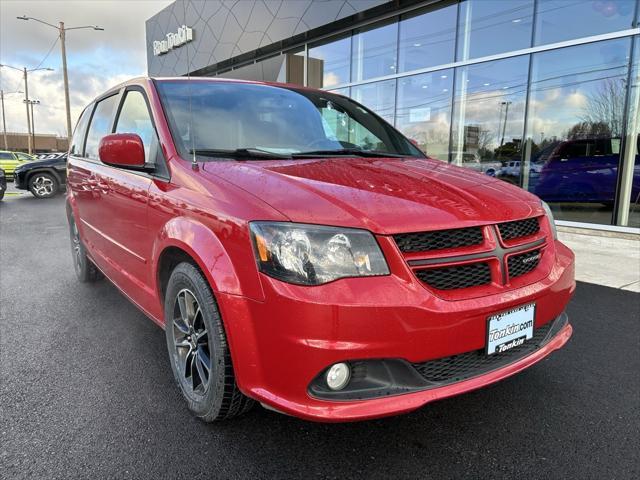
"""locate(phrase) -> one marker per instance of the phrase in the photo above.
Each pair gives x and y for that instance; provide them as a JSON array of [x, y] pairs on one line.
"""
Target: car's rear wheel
[[198, 349], [43, 185], [85, 270]]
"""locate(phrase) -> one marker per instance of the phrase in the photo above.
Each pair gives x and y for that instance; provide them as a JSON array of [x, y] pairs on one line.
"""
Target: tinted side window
[[134, 118], [6, 156], [100, 125], [78, 134]]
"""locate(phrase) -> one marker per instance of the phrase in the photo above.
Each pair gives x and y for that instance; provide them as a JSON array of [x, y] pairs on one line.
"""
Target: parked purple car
[[584, 171]]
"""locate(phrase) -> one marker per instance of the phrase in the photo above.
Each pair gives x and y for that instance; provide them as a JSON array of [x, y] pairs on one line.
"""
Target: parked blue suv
[[584, 171]]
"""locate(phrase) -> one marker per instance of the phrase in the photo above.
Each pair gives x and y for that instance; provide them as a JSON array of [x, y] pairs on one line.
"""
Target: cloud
[[96, 60]]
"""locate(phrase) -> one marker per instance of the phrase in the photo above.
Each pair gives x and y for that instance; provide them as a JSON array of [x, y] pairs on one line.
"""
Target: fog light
[[338, 376]]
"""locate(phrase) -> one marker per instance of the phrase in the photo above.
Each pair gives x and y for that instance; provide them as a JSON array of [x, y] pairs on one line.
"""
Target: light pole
[[4, 122], [506, 114], [31, 103], [62, 32], [26, 92]]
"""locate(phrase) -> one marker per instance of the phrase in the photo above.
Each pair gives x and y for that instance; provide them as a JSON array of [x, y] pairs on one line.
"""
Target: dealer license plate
[[510, 329]]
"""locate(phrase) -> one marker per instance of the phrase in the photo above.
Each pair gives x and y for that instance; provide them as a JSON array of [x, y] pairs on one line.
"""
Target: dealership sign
[[173, 40]]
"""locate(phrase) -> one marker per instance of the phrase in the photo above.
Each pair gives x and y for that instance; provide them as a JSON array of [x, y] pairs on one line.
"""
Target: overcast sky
[[96, 60]]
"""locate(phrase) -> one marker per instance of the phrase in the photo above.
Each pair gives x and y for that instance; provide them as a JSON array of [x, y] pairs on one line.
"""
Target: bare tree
[[588, 129], [606, 106]]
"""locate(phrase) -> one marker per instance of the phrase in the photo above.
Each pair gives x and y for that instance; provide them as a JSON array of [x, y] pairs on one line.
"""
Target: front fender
[[206, 249]]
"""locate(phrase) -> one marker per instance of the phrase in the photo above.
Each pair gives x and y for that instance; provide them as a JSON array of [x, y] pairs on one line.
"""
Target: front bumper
[[279, 346], [18, 180]]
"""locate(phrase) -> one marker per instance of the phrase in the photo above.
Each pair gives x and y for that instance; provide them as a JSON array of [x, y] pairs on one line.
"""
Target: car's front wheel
[[43, 185], [198, 349]]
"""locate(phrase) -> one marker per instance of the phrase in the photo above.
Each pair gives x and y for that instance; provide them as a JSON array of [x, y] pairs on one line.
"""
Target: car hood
[[384, 195]]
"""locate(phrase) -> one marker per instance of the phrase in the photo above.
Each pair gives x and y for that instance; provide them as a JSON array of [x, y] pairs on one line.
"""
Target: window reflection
[[341, 91], [487, 27], [428, 39], [574, 130], [555, 20], [378, 96], [100, 125], [292, 70], [374, 52], [489, 117], [329, 64], [424, 111], [134, 118]]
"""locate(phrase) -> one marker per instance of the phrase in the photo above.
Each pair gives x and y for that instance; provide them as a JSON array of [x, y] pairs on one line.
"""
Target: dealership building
[[541, 93]]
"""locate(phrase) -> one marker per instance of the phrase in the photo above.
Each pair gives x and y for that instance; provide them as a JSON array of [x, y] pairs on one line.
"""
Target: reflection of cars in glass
[[473, 162], [10, 160], [3, 183], [584, 170], [512, 168], [43, 177], [291, 263]]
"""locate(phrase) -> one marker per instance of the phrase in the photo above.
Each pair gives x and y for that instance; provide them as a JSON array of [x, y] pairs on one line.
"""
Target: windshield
[[220, 118]]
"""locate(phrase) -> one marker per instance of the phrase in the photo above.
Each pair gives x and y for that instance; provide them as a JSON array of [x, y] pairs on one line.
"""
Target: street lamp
[[25, 71], [33, 121], [4, 122], [506, 114], [62, 33]]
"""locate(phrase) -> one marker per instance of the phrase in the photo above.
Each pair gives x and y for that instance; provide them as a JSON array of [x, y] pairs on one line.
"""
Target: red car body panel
[[282, 335]]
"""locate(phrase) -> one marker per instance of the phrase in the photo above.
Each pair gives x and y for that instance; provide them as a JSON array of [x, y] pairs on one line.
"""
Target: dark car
[[3, 183], [584, 170], [44, 177]]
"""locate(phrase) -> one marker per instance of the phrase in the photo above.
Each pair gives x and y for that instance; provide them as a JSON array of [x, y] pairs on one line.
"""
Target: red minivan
[[300, 252]]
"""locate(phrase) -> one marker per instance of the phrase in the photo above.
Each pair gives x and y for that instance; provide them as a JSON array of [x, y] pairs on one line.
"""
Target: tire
[[43, 185], [86, 271], [196, 341]]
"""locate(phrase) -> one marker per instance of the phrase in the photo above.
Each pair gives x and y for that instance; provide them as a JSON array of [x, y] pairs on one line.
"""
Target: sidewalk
[[605, 258]]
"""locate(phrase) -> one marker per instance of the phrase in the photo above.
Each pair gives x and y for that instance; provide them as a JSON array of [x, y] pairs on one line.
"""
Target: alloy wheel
[[43, 186], [191, 341]]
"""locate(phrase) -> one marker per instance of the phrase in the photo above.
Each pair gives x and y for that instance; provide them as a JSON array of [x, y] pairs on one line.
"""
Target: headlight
[[313, 255], [552, 221]]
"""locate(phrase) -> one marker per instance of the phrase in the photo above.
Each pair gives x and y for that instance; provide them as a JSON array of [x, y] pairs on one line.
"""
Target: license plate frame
[[502, 340]]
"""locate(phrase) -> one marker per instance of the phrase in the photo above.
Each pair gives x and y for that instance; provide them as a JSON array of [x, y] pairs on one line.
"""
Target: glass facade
[[424, 111], [544, 94]]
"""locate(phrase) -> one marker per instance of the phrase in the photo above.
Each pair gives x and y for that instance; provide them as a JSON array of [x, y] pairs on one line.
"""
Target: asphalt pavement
[[86, 392]]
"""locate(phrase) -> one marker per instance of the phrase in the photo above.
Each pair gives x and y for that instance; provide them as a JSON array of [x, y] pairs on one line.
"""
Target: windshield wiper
[[346, 151], [239, 153]]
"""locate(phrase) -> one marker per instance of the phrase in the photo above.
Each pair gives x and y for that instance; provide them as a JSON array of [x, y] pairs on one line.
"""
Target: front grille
[[439, 240], [519, 228], [466, 365], [523, 263], [460, 276]]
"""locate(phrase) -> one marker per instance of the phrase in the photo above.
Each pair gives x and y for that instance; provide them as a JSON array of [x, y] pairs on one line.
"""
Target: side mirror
[[122, 150]]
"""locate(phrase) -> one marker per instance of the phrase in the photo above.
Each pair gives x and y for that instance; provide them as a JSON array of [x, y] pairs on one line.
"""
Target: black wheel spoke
[[195, 378], [183, 309], [204, 360], [181, 326], [202, 373]]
